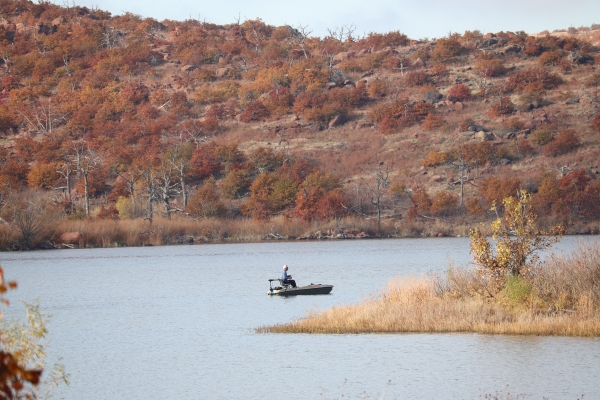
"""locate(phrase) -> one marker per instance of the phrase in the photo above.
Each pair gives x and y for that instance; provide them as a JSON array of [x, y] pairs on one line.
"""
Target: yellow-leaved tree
[[517, 240]]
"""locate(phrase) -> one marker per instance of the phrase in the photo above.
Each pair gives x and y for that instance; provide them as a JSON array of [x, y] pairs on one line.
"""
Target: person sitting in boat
[[287, 279]]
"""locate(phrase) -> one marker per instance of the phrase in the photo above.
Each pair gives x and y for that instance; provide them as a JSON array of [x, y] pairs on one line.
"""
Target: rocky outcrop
[[221, 72], [418, 64], [58, 21], [188, 68], [338, 120], [343, 56], [484, 135]]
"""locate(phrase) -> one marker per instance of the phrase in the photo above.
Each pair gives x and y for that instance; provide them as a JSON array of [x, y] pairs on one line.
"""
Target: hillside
[[125, 118]]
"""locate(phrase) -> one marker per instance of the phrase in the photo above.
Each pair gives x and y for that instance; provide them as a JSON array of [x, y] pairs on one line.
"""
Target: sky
[[416, 18]]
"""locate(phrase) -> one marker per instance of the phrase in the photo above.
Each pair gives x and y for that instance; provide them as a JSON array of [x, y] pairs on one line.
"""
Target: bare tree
[[31, 215], [42, 117], [462, 167], [459, 164], [342, 33], [166, 185], [564, 169], [113, 38], [376, 190], [298, 38], [147, 174], [339, 35], [179, 157], [66, 170], [130, 178], [85, 161]]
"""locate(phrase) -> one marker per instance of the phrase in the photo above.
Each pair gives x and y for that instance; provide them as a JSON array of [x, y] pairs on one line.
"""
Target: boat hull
[[302, 290]]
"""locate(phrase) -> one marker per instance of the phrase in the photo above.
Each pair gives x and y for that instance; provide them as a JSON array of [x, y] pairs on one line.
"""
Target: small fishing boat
[[288, 290]]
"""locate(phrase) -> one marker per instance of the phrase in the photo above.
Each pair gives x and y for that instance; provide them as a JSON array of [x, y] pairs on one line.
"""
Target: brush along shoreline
[[560, 298], [104, 233], [93, 233]]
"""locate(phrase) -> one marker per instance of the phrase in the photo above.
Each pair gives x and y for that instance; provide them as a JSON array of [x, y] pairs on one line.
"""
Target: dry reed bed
[[562, 299], [138, 232]]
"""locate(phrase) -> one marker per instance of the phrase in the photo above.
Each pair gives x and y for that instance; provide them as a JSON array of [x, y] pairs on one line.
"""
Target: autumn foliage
[[123, 117], [459, 92]]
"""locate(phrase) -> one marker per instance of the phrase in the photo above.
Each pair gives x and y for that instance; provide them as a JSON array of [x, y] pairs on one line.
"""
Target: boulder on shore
[[70, 238]]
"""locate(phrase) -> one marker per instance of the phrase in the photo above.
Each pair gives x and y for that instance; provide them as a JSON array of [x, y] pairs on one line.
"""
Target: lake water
[[178, 322]]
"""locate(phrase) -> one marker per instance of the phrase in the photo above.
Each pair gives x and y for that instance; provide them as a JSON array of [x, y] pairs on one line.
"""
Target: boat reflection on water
[[287, 290]]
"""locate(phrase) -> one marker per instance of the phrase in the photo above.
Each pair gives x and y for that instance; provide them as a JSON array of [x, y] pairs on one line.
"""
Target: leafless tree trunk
[[376, 190], [166, 185], [147, 174], [86, 161], [130, 179], [66, 171], [179, 158]]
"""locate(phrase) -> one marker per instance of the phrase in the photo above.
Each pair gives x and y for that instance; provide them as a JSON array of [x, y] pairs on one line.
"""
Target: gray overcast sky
[[416, 18]]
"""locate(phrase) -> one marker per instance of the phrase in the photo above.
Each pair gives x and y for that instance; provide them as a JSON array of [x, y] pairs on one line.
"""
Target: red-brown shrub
[[550, 57], [389, 125], [435, 158], [433, 122], [378, 88], [514, 124], [217, 111], [381, 40], [474, 206], [532, 48], [502, 107], [477, 153], [403, 113], [459, 92], [534, 80], [109, 212], [254, 111], [444, 203], [322, 106], [389, 110], [564, 143], [440, 72], [446, 49], [421, 110], [421, 201], [524, 147], [490, 67], [494, 190], [417, 78], [279, 101]]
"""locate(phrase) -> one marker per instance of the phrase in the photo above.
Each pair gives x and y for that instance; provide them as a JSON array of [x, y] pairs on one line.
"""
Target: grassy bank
[[138, 232], [561, 297]]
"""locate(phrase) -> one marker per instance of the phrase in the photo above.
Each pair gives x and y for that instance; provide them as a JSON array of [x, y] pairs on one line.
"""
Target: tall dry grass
[[138, 232], [180, 230], [561, 298]]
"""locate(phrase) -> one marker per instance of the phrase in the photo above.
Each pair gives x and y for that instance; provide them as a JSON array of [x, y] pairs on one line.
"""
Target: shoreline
[[59, 246]]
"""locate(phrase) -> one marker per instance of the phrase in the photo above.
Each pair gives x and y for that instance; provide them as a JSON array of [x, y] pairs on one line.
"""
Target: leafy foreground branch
[[511, 293], [22, 354]]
